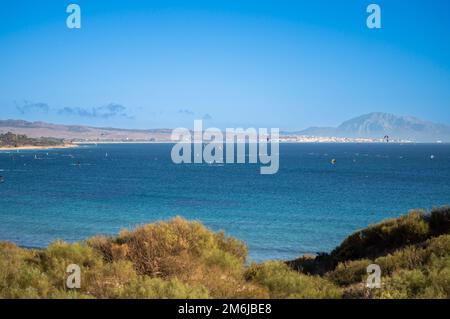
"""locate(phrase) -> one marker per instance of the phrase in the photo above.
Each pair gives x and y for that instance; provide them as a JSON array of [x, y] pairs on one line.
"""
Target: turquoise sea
[[309, 206]]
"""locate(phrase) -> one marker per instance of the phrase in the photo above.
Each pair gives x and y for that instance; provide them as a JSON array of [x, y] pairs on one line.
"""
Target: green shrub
[[439, 246], [166, 249], [430, 282], [182, 250], [428, 276], [412, 257], [383, 238], [349, 272], [282, 282], [18, 277], [439, 220], [181, 259], [156, 288]]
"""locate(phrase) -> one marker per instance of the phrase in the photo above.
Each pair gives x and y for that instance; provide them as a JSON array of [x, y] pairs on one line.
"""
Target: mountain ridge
[[375, 125], [378, 125]]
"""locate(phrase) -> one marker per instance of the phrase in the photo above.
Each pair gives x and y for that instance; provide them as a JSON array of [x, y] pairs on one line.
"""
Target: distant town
[[369, 128]]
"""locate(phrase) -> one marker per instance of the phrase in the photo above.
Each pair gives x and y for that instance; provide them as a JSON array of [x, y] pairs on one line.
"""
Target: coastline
[[31, 147], [280, 142]]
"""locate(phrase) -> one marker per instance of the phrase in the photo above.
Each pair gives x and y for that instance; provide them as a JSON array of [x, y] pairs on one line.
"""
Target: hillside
[[10, 140], [181, 259], [377, 125], [81, 133], [413, 252]]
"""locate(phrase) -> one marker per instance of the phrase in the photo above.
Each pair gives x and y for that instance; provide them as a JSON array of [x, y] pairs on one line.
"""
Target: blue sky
[[286, 64]]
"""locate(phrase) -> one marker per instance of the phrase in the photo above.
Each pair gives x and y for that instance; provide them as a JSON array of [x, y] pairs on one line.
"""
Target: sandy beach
[[30, 147]]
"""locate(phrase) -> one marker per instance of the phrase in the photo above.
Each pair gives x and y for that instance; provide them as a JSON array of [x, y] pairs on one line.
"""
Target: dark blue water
[[309, 206]]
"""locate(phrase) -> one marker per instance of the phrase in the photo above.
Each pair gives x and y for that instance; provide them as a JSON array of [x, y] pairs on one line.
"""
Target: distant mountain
[[373, 125], [81, 133], [377, 125]]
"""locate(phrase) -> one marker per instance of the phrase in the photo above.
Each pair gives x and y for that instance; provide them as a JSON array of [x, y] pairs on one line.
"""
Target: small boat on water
[[2, 179]]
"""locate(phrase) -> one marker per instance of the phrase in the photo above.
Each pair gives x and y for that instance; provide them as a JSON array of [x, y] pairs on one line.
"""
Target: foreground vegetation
[[181, 259], [14, 140], [412, 251]]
